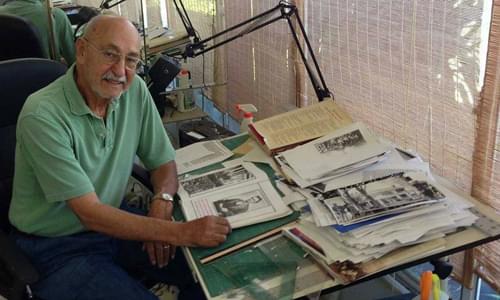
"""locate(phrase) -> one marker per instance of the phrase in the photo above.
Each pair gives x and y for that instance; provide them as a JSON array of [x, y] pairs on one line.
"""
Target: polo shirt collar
[[31, 1], [75, 100]]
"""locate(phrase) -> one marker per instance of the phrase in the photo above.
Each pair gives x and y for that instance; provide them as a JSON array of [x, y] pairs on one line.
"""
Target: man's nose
[[119, 68]]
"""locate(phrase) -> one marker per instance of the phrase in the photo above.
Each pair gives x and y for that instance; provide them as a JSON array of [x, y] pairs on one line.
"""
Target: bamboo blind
[[486, 179], [204, 16], [409, 69], [261, 65]]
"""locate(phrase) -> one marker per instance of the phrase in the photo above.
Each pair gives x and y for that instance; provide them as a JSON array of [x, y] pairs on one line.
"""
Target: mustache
[[111, 76]]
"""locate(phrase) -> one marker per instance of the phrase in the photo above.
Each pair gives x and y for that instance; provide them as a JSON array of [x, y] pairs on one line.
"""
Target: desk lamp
[[284, 10]]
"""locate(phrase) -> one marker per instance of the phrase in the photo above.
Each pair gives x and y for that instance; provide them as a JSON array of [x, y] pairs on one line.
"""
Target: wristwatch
[[164, 197]]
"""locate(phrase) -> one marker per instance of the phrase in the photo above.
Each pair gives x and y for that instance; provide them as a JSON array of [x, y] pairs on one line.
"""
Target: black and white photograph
[[343, 151], [243, 193], [339, 143], [240, 204], [215, 180], [377, 197]]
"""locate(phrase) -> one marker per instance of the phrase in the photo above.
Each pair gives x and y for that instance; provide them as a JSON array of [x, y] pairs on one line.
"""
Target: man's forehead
[[131, 48]]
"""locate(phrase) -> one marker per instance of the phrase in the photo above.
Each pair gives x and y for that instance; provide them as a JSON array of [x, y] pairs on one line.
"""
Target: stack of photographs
[[387, 195], [344, 151]]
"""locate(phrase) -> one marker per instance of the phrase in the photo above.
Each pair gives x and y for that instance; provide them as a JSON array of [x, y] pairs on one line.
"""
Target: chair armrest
[[15, 262]]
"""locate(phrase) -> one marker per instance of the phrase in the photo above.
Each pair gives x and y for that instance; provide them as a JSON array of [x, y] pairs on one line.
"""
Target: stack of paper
[[199, 155], [355, 225], [341, 152]]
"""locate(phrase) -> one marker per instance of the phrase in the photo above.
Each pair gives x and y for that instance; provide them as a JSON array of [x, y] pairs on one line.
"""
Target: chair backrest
[[20, 38], [19, 78]]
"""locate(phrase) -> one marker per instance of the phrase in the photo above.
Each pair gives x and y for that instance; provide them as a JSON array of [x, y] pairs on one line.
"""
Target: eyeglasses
[[112, 57]]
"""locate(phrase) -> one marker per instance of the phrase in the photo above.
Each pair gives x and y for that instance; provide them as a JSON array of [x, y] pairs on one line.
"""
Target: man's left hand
[[160, 253]]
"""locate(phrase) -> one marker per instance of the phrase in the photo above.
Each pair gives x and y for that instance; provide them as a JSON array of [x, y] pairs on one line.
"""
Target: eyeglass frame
[[112, 57]]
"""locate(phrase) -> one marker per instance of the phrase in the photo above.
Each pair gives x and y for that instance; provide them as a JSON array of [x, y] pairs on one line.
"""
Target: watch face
[[166, 196]]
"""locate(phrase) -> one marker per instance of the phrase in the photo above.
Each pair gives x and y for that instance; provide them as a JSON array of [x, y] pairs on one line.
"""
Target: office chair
[[20, 38], [19, 78]]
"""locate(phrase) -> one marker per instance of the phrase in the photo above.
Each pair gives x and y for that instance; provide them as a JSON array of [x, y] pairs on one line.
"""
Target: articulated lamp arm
[[283, 10]]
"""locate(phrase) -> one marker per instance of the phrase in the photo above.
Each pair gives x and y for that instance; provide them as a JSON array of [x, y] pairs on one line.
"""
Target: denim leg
[[136, 261], [79, 266], [132, 258], [91, 265]]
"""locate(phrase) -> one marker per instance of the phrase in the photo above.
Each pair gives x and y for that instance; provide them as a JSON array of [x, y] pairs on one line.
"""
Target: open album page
[[243, 194]]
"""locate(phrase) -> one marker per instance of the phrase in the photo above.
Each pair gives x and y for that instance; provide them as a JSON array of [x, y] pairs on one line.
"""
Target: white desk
[[310, 278]]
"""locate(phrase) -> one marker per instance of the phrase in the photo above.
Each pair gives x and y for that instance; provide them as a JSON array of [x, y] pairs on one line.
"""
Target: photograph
[[239, 204], [369, 199], [339, 143], [216, 180]]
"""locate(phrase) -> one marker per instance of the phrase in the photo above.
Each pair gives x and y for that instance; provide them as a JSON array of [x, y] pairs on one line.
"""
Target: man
[[36, 12], [76, 141]]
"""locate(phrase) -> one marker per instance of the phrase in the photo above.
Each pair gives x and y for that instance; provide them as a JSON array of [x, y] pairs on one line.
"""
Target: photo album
[[243, 194]]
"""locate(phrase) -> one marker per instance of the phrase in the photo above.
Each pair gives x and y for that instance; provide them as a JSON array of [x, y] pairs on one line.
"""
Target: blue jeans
[[91, 265]]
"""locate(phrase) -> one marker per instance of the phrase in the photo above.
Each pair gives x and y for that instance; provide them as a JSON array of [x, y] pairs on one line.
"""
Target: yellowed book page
[[302, 124]]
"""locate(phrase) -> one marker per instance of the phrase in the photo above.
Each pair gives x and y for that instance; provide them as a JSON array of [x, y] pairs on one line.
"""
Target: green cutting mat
[[238, 269], [250, 266]]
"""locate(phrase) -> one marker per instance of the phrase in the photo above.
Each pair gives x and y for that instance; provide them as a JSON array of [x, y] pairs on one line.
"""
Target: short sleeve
[[46, 146], [154, 147]]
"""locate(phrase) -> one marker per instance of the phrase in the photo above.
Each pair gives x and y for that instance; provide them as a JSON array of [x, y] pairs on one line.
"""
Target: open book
[[243, 194], [298, 126]]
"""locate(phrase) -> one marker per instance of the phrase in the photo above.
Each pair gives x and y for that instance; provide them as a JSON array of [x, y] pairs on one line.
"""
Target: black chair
[[19, 78], [20, 38]]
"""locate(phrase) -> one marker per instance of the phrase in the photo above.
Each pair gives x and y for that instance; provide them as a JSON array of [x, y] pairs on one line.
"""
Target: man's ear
[[80, 50]]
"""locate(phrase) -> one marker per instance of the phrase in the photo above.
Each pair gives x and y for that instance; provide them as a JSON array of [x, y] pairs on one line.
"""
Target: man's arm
[[96, 216], [64, 34], [164, 180]]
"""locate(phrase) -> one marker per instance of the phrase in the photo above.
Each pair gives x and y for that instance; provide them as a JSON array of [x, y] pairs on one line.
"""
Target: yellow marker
[[436, 287]]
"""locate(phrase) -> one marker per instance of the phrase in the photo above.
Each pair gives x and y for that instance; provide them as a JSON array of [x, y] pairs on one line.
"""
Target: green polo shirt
[[35, 11], [64, 151]]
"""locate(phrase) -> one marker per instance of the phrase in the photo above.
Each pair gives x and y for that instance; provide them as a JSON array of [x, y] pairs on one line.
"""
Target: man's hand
[[160, 253], [208, 231]]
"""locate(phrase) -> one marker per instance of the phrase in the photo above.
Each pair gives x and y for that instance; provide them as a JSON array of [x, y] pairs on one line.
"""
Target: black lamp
[[162, 72], [283, 10]]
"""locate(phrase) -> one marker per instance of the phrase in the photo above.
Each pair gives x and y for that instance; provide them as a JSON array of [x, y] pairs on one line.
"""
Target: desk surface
[[173, 116], [310, 278]]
